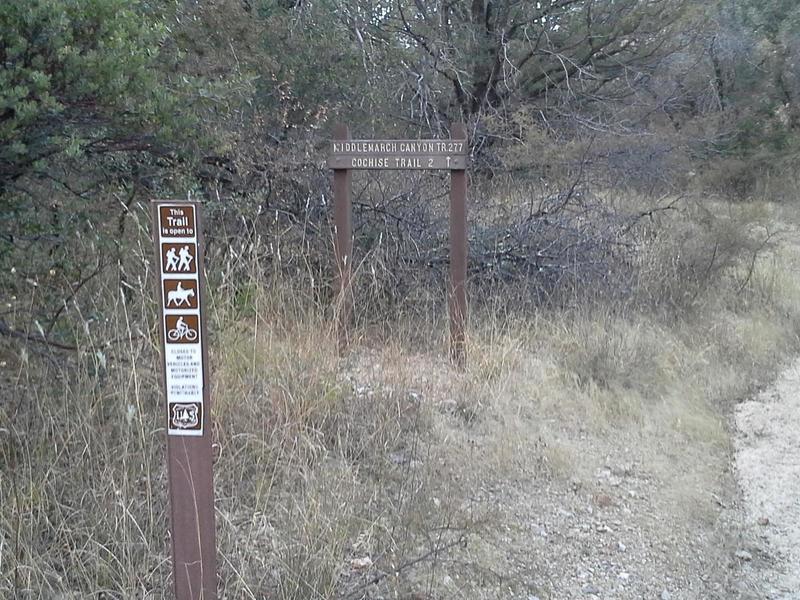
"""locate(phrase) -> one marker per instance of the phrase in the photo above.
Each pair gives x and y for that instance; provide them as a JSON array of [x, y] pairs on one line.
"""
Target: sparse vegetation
[[322, 463], [634, 242]]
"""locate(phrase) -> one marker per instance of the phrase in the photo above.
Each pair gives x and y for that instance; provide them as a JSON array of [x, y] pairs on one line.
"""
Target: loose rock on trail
[[768, 471]]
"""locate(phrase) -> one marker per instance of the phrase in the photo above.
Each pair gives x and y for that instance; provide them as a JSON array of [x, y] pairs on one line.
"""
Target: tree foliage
[[755, 50], [106, 103], [491, 51], [77, 77]]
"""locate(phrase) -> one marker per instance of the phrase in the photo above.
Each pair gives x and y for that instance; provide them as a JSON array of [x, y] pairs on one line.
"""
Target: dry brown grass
[[321, 461]]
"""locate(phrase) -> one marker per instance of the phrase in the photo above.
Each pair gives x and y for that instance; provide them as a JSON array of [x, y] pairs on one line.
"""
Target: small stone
[[398, 458], [621, 547], [624, 576], [665, 595], [541, 531], [744, 555], [624, 469], [360, 564], [589, 589], [603, 500], [763, 521]]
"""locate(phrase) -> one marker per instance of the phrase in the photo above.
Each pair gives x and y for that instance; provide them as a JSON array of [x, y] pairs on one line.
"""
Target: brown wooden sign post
[[342, 242], [181, 288], [451, 155], [459, 249]]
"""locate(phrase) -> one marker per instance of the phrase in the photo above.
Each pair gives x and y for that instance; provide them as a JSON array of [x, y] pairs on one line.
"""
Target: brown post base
[[458, 259]]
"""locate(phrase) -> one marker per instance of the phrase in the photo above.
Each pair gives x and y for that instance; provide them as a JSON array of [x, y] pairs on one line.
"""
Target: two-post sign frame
[[178, 243], [347, 154], [180, 284]]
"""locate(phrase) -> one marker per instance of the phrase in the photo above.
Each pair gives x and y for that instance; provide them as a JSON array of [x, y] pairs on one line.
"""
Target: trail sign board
[[180, 286], [177, 222], [183, 340], [450, 155]]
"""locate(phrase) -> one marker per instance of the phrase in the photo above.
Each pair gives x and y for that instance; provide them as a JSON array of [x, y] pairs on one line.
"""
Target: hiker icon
[[180, 296], [186, 259], [178, 259], [181, 331], [172, 260]]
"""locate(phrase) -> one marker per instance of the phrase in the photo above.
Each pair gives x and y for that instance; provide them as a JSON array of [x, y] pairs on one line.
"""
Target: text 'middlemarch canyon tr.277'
[[450, 155]]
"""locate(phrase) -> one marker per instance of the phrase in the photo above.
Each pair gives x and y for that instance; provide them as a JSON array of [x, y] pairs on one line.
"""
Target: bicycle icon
[[181, 331]]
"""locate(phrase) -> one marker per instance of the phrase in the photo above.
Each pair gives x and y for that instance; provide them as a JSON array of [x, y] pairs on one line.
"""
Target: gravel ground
[[632, 513], [614, 532], [768, 472], [628, 514]]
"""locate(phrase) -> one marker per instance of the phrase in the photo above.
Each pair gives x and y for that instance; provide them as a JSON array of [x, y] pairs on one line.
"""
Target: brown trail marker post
[[342, 243], [459, 247], [452, 155], [181, 288]]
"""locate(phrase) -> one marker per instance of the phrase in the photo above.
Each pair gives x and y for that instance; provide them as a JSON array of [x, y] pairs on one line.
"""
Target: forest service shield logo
[[185, 416]]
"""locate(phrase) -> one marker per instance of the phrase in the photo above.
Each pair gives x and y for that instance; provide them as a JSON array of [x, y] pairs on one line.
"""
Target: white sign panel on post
[[183, 350]]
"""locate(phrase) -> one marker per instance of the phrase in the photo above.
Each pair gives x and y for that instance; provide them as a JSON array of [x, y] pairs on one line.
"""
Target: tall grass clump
[[347, 475], [319, 462]]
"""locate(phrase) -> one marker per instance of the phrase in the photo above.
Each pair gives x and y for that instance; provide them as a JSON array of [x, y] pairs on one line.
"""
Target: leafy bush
[[76, 77]]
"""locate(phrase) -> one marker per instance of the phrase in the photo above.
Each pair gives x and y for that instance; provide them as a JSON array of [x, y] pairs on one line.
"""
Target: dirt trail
[[768, 471]]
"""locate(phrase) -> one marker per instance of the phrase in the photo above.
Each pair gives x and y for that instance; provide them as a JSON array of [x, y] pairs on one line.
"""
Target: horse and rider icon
[[180, 293], [179, 259]]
